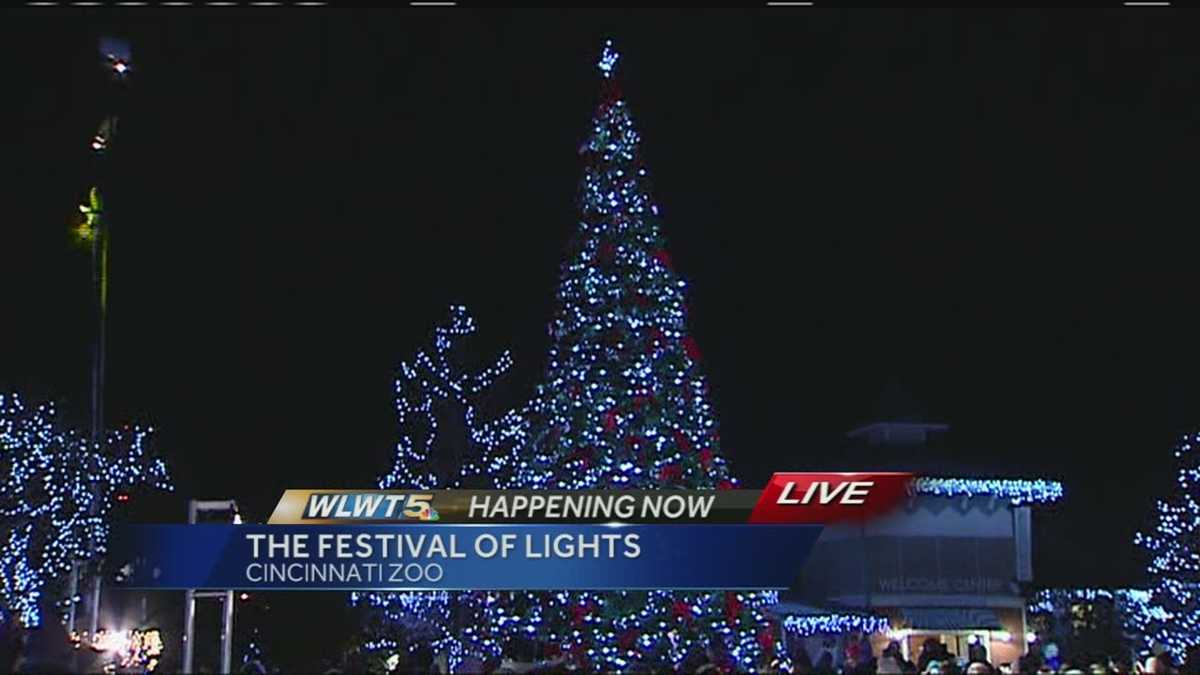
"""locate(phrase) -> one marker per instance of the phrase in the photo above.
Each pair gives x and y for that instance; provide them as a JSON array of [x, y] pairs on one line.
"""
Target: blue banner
[[464, 557]]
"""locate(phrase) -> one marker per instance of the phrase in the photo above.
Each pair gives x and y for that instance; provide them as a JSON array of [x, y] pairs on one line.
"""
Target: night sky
[[996, 209]]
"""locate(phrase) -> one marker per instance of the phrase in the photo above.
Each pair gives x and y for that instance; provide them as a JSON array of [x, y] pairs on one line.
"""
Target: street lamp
[[104, 135], [117, 56], [93, 232]]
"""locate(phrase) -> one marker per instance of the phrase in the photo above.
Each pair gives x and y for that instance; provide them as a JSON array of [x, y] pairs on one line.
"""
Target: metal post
[[99, 356], [94, 620], [189, 607], [189, 628], [190, 595], [99, 278], [100, 282], [73, 589], [227, 634]]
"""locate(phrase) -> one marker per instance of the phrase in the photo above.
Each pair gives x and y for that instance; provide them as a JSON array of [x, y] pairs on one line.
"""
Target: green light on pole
[[89, 228]]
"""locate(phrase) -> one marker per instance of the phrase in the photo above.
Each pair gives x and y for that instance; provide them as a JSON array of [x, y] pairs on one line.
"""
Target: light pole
[[93, 231]]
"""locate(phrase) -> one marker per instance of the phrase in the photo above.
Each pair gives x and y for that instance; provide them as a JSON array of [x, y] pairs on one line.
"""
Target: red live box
[[811, 498]]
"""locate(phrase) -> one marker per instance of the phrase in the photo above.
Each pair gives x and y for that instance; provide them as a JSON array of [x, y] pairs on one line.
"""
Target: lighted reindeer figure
[[426, 384], [427, 387]]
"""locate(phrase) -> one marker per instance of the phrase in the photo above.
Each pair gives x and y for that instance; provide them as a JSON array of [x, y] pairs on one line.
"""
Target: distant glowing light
[[84, 232], [115, 641]]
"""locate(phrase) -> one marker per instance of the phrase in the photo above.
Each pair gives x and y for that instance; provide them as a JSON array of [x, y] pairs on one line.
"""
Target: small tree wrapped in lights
[[1171, 615], [57, 496]]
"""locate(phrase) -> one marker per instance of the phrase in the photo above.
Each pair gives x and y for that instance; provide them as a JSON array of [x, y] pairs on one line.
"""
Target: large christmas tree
[[623, 405], [1171, 615]]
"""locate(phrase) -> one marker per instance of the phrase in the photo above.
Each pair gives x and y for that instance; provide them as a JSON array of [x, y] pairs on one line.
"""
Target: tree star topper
[[608, 59]]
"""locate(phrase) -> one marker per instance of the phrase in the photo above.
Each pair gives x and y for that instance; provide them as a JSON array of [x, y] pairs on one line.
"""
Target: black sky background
[[997, 208]]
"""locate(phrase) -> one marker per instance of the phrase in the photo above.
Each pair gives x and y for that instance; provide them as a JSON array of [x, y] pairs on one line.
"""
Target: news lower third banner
[[465, 557], [513, 540]]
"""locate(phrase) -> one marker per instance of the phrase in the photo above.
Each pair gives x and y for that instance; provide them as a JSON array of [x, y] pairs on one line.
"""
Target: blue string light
[[1129, 601], [834, 624], [57, 497], [1018, 492]]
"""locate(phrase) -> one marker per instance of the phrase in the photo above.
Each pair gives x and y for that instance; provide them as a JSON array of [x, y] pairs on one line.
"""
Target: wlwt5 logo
[[813, 498]]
